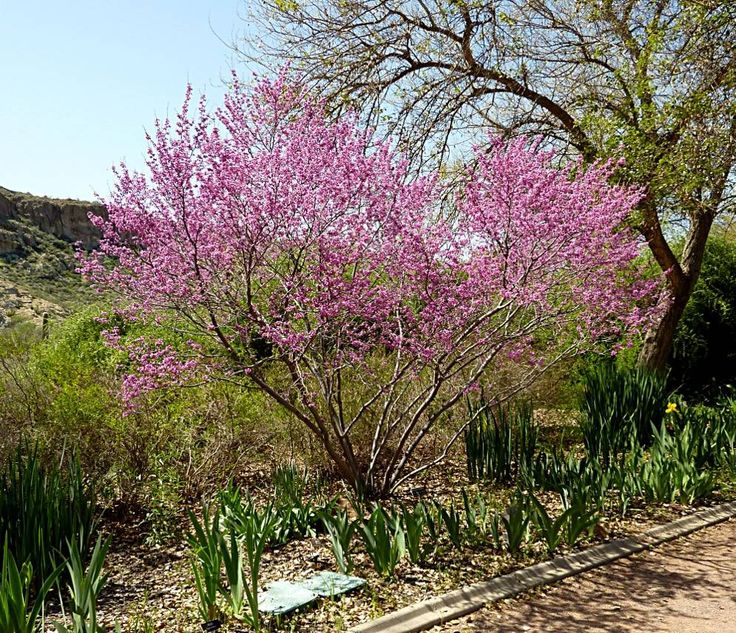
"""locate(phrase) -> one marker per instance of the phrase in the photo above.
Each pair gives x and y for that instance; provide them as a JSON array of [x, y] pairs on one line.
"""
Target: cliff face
[[37, 260], [64, 219]]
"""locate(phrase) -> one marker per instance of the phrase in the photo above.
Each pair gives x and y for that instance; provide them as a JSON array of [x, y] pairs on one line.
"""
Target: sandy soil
[[687, 586]]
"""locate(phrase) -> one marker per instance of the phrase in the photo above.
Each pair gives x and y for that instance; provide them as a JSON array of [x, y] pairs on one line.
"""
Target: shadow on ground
[[688, 586]]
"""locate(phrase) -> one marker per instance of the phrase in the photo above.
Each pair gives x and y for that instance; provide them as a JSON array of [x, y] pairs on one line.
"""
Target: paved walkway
[[686, 586]]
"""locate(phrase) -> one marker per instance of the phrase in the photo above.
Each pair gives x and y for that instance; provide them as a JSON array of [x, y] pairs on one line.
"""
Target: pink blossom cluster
[[264, 220], [156, 364], [553, 239]]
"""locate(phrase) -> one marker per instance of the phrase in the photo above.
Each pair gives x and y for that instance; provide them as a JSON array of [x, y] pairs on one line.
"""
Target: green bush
[[704, 352], [180, 443], [58, 391]]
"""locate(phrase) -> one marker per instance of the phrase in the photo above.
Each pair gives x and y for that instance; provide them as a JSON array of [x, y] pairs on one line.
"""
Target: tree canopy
[[293, 253], [651, 81]]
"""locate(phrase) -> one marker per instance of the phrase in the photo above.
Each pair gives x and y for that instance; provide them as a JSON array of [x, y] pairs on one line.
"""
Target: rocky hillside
[[66, 220], [37, 254]]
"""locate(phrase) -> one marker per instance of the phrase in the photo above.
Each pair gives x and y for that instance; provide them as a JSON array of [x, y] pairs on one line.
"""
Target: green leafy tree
[[704, 353]]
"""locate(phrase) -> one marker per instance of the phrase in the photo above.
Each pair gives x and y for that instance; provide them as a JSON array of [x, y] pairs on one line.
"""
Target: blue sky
[[80, 80]]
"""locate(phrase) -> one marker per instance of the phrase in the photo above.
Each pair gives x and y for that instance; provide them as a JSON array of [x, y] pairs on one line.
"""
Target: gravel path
[[687, 586]]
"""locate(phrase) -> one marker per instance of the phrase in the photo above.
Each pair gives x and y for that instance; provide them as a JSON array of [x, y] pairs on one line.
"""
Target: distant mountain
[[37, 254]]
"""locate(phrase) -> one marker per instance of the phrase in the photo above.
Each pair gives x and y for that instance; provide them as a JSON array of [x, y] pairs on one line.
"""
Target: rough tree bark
[[681, 279]]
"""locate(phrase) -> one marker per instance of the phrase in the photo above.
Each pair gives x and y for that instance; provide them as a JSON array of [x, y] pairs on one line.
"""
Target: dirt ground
[[686, 586]]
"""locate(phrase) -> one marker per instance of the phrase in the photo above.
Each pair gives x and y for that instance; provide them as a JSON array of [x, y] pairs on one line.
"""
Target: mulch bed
[[150, 588]]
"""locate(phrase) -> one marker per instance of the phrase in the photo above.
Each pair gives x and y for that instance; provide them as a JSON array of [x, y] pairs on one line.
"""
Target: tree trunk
[[657, 348], [655, 353]]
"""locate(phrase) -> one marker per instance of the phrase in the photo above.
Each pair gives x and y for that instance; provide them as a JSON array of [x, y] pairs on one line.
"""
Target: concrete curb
[[455, 604]]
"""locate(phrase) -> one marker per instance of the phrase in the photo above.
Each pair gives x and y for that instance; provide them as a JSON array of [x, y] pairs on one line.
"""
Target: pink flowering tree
[[294, 254]]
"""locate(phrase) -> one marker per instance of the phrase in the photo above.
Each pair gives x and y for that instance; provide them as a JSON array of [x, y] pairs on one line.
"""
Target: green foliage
[[85, 586], [500, 441], [234, 537], [581, 519], [340, 529], [73, 368], [551, 530], [179, 444], [19, 612], [253, 530], [232, 559], [495, 531], [690, 442], [516, 524], [556, 471], [384, 540], [713, 431], [206, 561], [414, 522], [296, 516], [626, 482], [704, 352], [580, 514], [289, 484], [671, 473], [164, 502], [42, 508], [618, 407], [477, 517], [451, 519], [590, 487], [296, 522], [433, 522]]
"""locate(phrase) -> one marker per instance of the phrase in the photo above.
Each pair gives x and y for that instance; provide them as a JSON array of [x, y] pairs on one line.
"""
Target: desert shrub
[[177, 444], [704, 352], [62, 394], [22, 401]]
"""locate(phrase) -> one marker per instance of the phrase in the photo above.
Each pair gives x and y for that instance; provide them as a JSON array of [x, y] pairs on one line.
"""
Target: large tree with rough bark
[[651, 81]]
